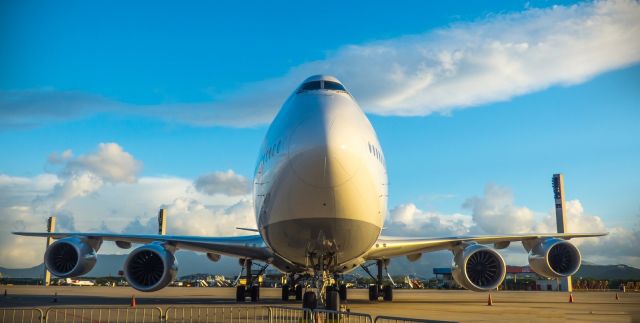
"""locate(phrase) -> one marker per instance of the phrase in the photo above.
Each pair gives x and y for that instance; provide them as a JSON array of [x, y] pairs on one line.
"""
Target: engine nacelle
[[71, 257], [554, 258], [478, 268], [150, 267]]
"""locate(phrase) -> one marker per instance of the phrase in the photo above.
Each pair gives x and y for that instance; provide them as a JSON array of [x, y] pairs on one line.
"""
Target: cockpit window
[[328, 85], [313, 85]]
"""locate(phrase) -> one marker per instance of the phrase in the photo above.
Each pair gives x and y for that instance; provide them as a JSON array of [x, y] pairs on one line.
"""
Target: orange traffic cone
[[617, 298], [570, 297], [133, 300], [489, 300]]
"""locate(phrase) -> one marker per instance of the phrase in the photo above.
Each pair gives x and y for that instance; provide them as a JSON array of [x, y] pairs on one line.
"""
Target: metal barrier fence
[[225, 314], [284, 314], [325, 316], [216, 314], [103, 314], [25, 315], [394, 319]]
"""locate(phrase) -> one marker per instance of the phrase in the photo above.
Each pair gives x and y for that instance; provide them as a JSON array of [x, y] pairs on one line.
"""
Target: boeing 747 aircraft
[[320, 197]]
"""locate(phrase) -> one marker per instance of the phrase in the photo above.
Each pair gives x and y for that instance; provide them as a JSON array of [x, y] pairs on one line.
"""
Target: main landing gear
[[378, 289], [251, 288], [292, 287]]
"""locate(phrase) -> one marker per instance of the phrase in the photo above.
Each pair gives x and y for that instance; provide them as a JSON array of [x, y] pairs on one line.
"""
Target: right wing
[[251, 246], [387, 247]]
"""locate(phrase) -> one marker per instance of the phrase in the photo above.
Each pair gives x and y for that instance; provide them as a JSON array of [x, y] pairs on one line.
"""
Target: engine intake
[[71, 257], [555, 258], [478, 268], [150, 267]]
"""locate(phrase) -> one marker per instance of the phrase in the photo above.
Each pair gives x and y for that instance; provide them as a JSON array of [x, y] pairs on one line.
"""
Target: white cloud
[[109, 162], [496, 213], [407, 220], [228, 183], [100, 191], [464, 65]]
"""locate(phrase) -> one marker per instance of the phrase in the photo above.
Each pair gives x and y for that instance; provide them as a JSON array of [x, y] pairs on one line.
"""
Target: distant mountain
[[190, 263], [608, 272]]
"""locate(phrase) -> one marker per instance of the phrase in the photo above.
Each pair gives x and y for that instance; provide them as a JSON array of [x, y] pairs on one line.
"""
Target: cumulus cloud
[[101, 192], [407, 219], [496, 212], [463, 65], [109, 162], [228, 183]]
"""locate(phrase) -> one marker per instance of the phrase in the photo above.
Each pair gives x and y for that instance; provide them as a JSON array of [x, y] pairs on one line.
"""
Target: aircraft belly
[[293, 239]]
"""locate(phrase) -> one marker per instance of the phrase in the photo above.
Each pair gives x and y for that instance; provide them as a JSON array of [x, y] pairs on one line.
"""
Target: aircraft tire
[[299, 290], [285, 292], [255, 293], [343, 292], [373, 292], [387, 293], [309, 300], [240, 291], [333, 301]]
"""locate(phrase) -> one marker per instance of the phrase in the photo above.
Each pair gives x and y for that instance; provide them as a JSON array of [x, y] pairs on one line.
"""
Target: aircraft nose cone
[[323, 152]]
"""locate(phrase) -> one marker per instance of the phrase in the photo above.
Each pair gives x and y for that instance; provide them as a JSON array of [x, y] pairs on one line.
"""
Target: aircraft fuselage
[[320, 184]]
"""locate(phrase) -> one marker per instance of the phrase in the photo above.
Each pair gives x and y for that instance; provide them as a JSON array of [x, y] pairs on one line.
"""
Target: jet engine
[[554, 258], [150, 267], [72, 256], [478, 268]]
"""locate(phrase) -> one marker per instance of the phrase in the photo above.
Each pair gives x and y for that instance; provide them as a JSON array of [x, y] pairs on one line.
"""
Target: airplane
[[320, 197], [77, 282]]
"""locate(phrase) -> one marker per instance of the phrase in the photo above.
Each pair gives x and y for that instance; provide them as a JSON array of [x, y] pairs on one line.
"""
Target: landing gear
[[250, 289], [378, 289]]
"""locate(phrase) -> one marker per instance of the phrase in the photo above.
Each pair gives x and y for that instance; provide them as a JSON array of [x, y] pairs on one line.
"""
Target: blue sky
[[188, 90]]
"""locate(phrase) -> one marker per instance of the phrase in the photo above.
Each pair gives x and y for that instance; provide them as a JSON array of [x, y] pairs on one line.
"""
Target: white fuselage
[[320, 185]]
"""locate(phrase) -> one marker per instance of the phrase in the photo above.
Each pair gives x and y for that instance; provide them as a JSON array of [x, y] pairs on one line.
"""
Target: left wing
[[387, 247], [251, 246]]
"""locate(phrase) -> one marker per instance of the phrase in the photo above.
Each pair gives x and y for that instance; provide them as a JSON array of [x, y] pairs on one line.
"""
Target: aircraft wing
[[251, 246], [387, 247]]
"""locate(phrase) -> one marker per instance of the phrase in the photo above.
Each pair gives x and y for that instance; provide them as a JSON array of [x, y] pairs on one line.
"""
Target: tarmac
[[446, 305]]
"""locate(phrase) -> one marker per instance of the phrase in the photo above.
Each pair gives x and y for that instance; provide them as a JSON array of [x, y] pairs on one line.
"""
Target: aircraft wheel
[[373, 292], [309, 300], [240, 290], [299, 290], [343, 292], [285, 292], [387, 293], [255, 293], [333, 301]]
